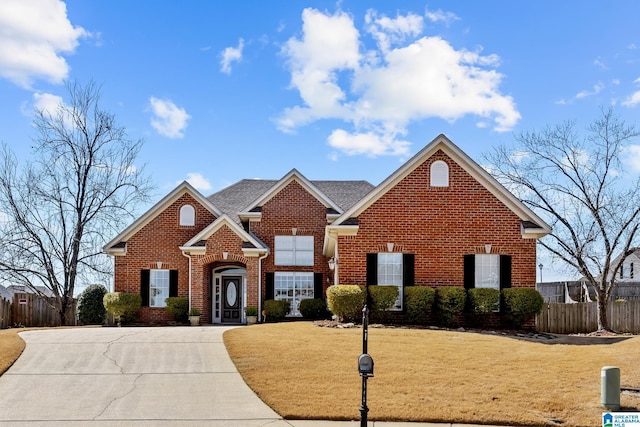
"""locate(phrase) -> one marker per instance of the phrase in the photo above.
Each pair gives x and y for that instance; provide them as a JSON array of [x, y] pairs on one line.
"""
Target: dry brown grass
[[11, 347], [307, 372]]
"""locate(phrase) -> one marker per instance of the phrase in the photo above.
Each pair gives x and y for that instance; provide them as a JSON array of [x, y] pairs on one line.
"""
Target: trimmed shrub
[[383, 298], [251, 311], [418, 302], [276, 310], [450, 302], [124, 306], [521, 304], [313, 309], [178, 307], [346, 301], [91, 309], [482, 303]]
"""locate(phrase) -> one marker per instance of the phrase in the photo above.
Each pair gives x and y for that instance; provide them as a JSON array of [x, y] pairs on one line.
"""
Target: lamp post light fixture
[[332, 264], [540, 266]]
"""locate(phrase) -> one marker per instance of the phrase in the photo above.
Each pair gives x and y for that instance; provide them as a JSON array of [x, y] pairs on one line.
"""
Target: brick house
[[439, 220]]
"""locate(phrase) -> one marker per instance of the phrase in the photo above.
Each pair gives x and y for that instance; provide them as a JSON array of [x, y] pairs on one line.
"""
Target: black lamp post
[[365, 362]]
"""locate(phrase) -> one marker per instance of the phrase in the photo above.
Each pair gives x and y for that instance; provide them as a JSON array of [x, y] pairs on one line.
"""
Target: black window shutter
[[270, 283], [469, 271], [372, 269], [144, 287], [173, 283], [505, 271], [317, 286], [408, 275]]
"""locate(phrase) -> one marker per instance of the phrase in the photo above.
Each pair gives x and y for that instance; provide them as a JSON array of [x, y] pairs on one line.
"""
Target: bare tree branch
[[81, 183]]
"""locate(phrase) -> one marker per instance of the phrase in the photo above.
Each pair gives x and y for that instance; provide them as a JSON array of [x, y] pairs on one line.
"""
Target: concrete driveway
[[129, 376]]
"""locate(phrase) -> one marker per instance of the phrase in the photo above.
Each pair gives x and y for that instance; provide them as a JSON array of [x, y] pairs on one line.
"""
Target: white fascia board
[[251, 216], [193, 250], [331, 233], [254, 252], [116, 251]]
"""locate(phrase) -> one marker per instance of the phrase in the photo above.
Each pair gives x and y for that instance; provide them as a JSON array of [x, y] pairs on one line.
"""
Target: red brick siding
[[439, 225], [293, 207], [158, 241]]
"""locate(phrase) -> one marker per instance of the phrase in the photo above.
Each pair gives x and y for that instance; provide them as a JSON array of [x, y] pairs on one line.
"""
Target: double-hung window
[[487, 271], [158, 288], [391, 269], [294, 250], [390, 273]]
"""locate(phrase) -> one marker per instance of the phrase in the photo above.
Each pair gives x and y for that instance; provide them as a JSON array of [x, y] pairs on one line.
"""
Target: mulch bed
[[593, 338]]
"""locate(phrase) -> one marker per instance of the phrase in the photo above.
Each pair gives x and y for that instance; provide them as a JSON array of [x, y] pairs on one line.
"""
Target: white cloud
[[633, 99], [230, 55], [368, 143], [198, 181], [597, 88], [33, 37], [168, 120], [381, 91], [389, 31], [47, 102], [632, 157], [441, 16]]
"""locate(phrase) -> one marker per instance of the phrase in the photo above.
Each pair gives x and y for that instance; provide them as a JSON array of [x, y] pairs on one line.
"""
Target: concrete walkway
[[178, 376]]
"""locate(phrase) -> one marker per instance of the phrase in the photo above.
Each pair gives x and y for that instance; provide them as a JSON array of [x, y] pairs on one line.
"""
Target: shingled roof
[[238, 196]]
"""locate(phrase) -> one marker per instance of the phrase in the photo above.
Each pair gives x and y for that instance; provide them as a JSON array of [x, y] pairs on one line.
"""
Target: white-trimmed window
[[487, 272], [390, 273], [293, 250], [439, 174], [158, 288], [293, 287], [187, 215]]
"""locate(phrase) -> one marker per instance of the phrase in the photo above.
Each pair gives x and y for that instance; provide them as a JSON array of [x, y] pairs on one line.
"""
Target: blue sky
[[222, 91]]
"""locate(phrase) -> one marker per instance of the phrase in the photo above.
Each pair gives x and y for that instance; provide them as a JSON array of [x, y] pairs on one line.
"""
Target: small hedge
[[418, 302], [313, 309], [276, 310], [178, 307], [124, 306], [346, 301], [383, 298], [450, 302], [91, 309], [521, 304], [484, 301]]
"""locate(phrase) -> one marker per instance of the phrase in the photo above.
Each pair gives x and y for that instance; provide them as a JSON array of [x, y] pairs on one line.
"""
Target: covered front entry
[[229, 295]]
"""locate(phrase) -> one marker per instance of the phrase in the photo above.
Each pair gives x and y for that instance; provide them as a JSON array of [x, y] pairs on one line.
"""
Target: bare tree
[[80, 186], [580, 188]]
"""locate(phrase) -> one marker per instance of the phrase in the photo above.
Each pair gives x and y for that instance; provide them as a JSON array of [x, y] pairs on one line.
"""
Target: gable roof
[[248, 194], [250, 242], [117, 246], [532, 225]]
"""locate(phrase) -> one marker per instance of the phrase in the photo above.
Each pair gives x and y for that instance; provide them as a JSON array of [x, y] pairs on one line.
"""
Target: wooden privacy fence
[[5, 313], [582, 317], [32, 310]]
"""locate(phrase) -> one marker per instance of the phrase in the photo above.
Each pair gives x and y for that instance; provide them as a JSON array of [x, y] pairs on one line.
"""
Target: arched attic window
[[439, 174], [187, 216]]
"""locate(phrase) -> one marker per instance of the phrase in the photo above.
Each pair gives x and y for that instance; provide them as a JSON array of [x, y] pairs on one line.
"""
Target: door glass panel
[[232, 294]]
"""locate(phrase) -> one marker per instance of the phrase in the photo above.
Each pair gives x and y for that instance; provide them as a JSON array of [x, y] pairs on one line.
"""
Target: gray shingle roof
[[238, 196]]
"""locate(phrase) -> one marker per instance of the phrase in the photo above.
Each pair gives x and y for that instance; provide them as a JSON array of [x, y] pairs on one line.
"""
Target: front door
[[232, 299]]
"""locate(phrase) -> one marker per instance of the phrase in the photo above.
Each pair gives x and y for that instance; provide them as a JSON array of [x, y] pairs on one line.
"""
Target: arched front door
[[231, 299]]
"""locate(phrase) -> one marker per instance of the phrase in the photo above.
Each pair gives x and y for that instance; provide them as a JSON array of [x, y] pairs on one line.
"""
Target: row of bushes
[[444, 304]]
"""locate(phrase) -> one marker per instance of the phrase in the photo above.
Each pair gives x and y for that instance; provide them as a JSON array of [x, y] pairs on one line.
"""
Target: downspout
[[189, 256], [260, 284]]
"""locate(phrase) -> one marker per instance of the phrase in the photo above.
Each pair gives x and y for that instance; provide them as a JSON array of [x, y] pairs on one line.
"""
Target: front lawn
[[308, 372]]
